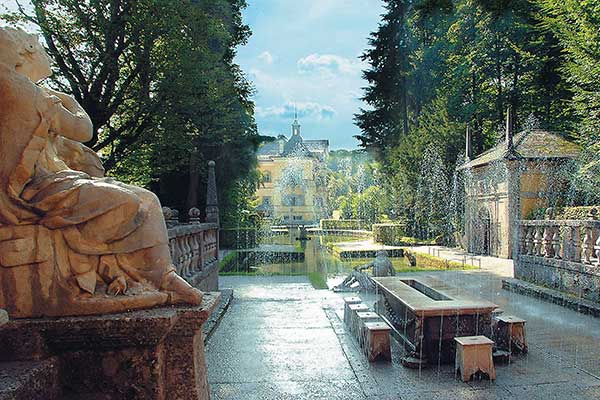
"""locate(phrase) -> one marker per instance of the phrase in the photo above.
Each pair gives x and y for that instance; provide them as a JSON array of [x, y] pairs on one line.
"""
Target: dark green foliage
[[157, 78], [437, 66]]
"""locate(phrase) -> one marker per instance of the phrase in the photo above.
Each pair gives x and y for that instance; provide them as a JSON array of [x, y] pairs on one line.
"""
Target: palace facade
[[292, 170]]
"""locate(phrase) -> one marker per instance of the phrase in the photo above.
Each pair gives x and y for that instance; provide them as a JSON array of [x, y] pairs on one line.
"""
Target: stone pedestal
[[155, 354]]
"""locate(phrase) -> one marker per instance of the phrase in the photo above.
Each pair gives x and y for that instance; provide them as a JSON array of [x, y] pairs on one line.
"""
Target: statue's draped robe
[[99, 218]]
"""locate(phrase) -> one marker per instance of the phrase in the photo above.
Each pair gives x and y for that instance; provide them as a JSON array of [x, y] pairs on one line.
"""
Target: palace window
[[293, 200]]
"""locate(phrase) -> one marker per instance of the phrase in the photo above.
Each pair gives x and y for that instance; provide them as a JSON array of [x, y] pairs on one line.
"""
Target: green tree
[[388, 90], [576, 24]]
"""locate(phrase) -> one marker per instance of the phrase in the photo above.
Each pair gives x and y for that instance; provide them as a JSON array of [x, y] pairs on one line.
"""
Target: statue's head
[[381, 253], [24, 51]]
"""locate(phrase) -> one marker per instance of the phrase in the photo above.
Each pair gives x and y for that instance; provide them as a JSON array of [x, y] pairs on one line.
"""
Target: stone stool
[[363, 317], [510, 334], [377, 341], [351, 318], [348, 301], [473, 355]]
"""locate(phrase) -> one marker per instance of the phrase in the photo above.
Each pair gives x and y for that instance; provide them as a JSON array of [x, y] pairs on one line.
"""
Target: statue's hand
[[118, 286]]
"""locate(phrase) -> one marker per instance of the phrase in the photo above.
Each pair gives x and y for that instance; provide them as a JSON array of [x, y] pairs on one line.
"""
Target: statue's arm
[[366, 266], [71, 120]]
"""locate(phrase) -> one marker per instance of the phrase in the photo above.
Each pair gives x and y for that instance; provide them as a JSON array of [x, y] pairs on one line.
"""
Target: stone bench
[[350, 318], [474, 355], [362, 317], [347, 302], [377, 341], [510, 333]]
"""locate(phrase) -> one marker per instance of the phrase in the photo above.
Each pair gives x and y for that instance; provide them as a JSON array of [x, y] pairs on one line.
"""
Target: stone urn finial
[[194, 215], [593, 214], [167, 213], [549, 214]]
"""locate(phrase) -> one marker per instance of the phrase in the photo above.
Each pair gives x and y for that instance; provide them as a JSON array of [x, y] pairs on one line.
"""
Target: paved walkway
[[281, 339], [498, 266]]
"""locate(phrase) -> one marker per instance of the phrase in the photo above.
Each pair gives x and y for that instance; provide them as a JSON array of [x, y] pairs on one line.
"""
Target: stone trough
[[426, 319]]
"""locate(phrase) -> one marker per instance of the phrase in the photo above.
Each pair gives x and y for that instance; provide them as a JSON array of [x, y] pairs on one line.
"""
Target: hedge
[[390, 234], [238, 238], [343, 224], [562, 213]]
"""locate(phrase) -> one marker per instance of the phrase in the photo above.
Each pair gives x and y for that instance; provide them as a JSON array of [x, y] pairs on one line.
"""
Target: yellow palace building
[[291, 191]]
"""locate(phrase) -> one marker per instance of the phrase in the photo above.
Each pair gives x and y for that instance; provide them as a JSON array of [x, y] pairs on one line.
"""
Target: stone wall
[[577, 279]]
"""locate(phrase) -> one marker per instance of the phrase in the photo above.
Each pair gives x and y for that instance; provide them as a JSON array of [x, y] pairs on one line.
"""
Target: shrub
[[390, 234]]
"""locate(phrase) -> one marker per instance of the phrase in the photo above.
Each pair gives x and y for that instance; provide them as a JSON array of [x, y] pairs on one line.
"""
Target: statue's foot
[[180, 291]]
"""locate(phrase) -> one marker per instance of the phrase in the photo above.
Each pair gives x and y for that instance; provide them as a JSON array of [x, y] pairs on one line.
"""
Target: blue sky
[[304, 53]]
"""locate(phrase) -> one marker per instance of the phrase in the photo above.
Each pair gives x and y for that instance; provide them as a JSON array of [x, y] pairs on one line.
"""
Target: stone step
[[29, 380]]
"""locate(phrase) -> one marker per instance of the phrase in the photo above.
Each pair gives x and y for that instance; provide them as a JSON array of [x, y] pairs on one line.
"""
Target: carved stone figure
[[72, 242], [382, 266]]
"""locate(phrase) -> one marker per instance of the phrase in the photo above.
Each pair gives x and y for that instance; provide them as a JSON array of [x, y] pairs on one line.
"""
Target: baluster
[[576, 241], [547, 242], [529, 241], [587, 246], [197, 244], [556, 242], [178, 252], [537, 242]]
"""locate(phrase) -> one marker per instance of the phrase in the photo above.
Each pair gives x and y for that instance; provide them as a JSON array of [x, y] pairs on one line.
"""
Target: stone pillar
[[513, 168], [212, 204]]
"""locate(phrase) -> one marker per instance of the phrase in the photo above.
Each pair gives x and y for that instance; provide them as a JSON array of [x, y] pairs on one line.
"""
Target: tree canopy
[[159, 81], [436, 66]]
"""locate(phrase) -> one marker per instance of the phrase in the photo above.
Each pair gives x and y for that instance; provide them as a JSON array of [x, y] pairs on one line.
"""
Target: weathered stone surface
[[3, 317], [93, 245], [155, 354], [575, 278]]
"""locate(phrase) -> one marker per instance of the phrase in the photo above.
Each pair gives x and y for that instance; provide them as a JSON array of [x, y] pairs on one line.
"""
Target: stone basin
[[425, 317]]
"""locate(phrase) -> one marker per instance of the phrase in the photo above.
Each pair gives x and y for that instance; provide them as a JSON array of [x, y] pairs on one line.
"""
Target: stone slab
[[425, 306]]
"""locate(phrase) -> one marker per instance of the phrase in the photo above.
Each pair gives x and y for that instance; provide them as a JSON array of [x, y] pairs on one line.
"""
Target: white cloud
[[330, 64], [306, 109], [266, 57]]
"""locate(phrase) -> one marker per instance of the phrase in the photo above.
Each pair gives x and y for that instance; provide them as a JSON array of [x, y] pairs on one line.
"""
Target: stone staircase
[[29, 380], [26, 379]]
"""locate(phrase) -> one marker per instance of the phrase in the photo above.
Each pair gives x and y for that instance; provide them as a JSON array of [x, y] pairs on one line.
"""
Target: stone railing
[[569, 240], [562, 255], [194, 248]]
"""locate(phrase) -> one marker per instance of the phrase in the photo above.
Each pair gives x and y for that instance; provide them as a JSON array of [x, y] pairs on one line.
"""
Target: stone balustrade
[[569, 240], [561, 254], [194, 248]]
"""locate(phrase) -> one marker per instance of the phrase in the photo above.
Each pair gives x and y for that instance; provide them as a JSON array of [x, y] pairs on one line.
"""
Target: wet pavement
[[282, 339]]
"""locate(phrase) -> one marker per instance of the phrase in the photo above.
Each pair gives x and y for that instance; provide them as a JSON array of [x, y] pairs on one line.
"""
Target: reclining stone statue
[[72, 242], [382, 266]]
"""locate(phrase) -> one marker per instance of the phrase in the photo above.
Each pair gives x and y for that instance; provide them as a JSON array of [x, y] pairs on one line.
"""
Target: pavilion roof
[[532, 144]]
